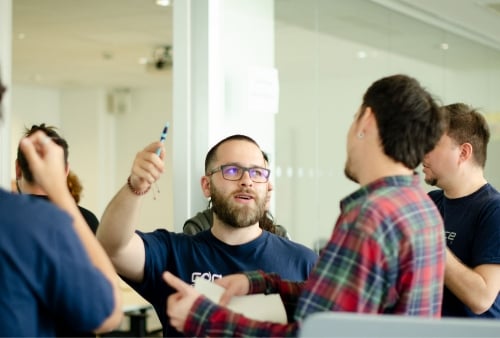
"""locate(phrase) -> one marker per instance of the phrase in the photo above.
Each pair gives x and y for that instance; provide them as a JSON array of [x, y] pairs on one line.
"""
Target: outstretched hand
[[235, 285], [148, 166], [180, 303]]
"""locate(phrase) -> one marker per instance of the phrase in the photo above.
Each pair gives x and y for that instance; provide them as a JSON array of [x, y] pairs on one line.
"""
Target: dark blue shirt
[[203, 255], [46, 277], [472, 229]]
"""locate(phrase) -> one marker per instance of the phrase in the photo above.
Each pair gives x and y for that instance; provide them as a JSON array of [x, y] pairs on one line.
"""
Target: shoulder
[[201, 221], [90, 218], [281, 231], [435, 194], [291, 247], [29, 210], [163, 240], [491, 193]]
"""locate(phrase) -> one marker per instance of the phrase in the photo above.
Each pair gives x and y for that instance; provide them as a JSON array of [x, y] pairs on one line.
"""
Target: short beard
[[233, 216], [431, 181]]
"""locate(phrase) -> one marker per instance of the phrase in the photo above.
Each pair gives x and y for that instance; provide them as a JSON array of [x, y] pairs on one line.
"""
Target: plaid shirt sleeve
[[348, 276], [209, 319]]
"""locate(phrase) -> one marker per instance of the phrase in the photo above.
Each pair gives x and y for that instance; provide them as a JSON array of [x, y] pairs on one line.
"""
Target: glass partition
[[327, 54]]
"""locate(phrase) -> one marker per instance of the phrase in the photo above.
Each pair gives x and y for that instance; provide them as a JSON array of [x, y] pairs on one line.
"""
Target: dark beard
[[233, 216], [431, 181]]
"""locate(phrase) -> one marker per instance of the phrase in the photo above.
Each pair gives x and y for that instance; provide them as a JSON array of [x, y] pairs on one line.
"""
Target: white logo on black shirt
[[205, 275]]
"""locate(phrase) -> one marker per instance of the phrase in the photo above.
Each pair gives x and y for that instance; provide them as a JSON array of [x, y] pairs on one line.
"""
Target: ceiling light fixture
[[163, 3], [444, 46]]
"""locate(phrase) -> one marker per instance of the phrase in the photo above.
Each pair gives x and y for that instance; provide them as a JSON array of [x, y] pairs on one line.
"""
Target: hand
[[235, 285], [180, 303], [147, 167], [45, 161]]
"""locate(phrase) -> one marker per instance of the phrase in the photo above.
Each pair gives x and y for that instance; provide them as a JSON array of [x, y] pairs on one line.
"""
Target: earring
[[361, 135]]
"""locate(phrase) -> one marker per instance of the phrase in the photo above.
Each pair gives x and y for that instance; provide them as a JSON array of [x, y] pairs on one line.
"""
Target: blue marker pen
[[163, 137]]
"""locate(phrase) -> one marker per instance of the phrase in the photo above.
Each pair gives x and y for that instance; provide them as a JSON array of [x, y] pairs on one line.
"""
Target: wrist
[[134, 190]]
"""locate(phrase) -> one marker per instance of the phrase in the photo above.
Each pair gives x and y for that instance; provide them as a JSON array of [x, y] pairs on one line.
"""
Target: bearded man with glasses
[[203, 220], [236, 180]]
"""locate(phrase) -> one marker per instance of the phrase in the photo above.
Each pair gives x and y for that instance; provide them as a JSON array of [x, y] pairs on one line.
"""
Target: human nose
[[245, 177]]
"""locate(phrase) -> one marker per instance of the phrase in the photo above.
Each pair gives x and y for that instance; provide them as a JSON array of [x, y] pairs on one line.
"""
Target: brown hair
[[75, 186]]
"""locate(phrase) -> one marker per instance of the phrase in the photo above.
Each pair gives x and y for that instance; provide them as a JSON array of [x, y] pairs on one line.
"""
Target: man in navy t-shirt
[[53, 271], [236, 179], [470, 207]]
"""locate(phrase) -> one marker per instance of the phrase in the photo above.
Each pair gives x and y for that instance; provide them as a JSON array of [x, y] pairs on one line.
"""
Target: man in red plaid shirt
[[387, 251]]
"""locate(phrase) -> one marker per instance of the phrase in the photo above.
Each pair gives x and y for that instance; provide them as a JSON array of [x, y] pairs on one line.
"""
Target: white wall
[[102, 146], [31, 105], [151, 108], [5, 74]]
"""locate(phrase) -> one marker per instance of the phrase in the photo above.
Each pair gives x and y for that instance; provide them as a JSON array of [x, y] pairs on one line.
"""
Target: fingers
[[176, 283], [225, 298], [234, 285], [45, 159], [44, 140], [29, 151], [34, 147], [147, 168], [179, 303], [147, 165]]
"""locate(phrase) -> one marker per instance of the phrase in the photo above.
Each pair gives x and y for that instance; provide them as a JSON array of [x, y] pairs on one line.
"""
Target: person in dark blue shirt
[[470, 207], [53, 269], [236, 180]]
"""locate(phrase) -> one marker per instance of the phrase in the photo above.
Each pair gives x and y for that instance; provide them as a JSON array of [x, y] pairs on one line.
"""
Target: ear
[[205, 186], [465, 151], [67, 169], [365, 119]]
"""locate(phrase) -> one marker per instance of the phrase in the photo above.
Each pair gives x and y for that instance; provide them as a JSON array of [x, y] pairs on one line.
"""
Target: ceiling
[[67, 43]]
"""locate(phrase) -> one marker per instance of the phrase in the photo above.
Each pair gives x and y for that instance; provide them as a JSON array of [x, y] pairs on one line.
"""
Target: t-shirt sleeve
[[486, 246]]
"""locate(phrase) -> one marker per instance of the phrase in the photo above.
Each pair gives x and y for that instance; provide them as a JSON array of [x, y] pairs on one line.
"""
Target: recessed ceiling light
[[21, 36], [444, 46], [163, 3], [361, 54], [143, 60]]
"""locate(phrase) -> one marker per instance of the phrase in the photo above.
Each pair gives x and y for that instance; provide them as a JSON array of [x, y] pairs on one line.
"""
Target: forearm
[[289, 292], [209, 319], [116, 228], [468, 285]]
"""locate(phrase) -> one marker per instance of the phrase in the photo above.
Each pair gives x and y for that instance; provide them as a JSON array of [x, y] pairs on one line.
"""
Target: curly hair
[[75, 186]]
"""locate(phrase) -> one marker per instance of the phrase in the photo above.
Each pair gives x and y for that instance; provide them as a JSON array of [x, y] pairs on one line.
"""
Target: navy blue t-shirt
[[46, 277], [203, 255], [472, 228]]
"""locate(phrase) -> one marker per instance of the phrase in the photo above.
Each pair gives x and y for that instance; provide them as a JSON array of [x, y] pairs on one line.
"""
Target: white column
[[218, 46], [5, 74]]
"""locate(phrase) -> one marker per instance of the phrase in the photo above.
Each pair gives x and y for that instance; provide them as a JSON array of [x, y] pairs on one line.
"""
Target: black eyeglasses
[[232, 172]]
